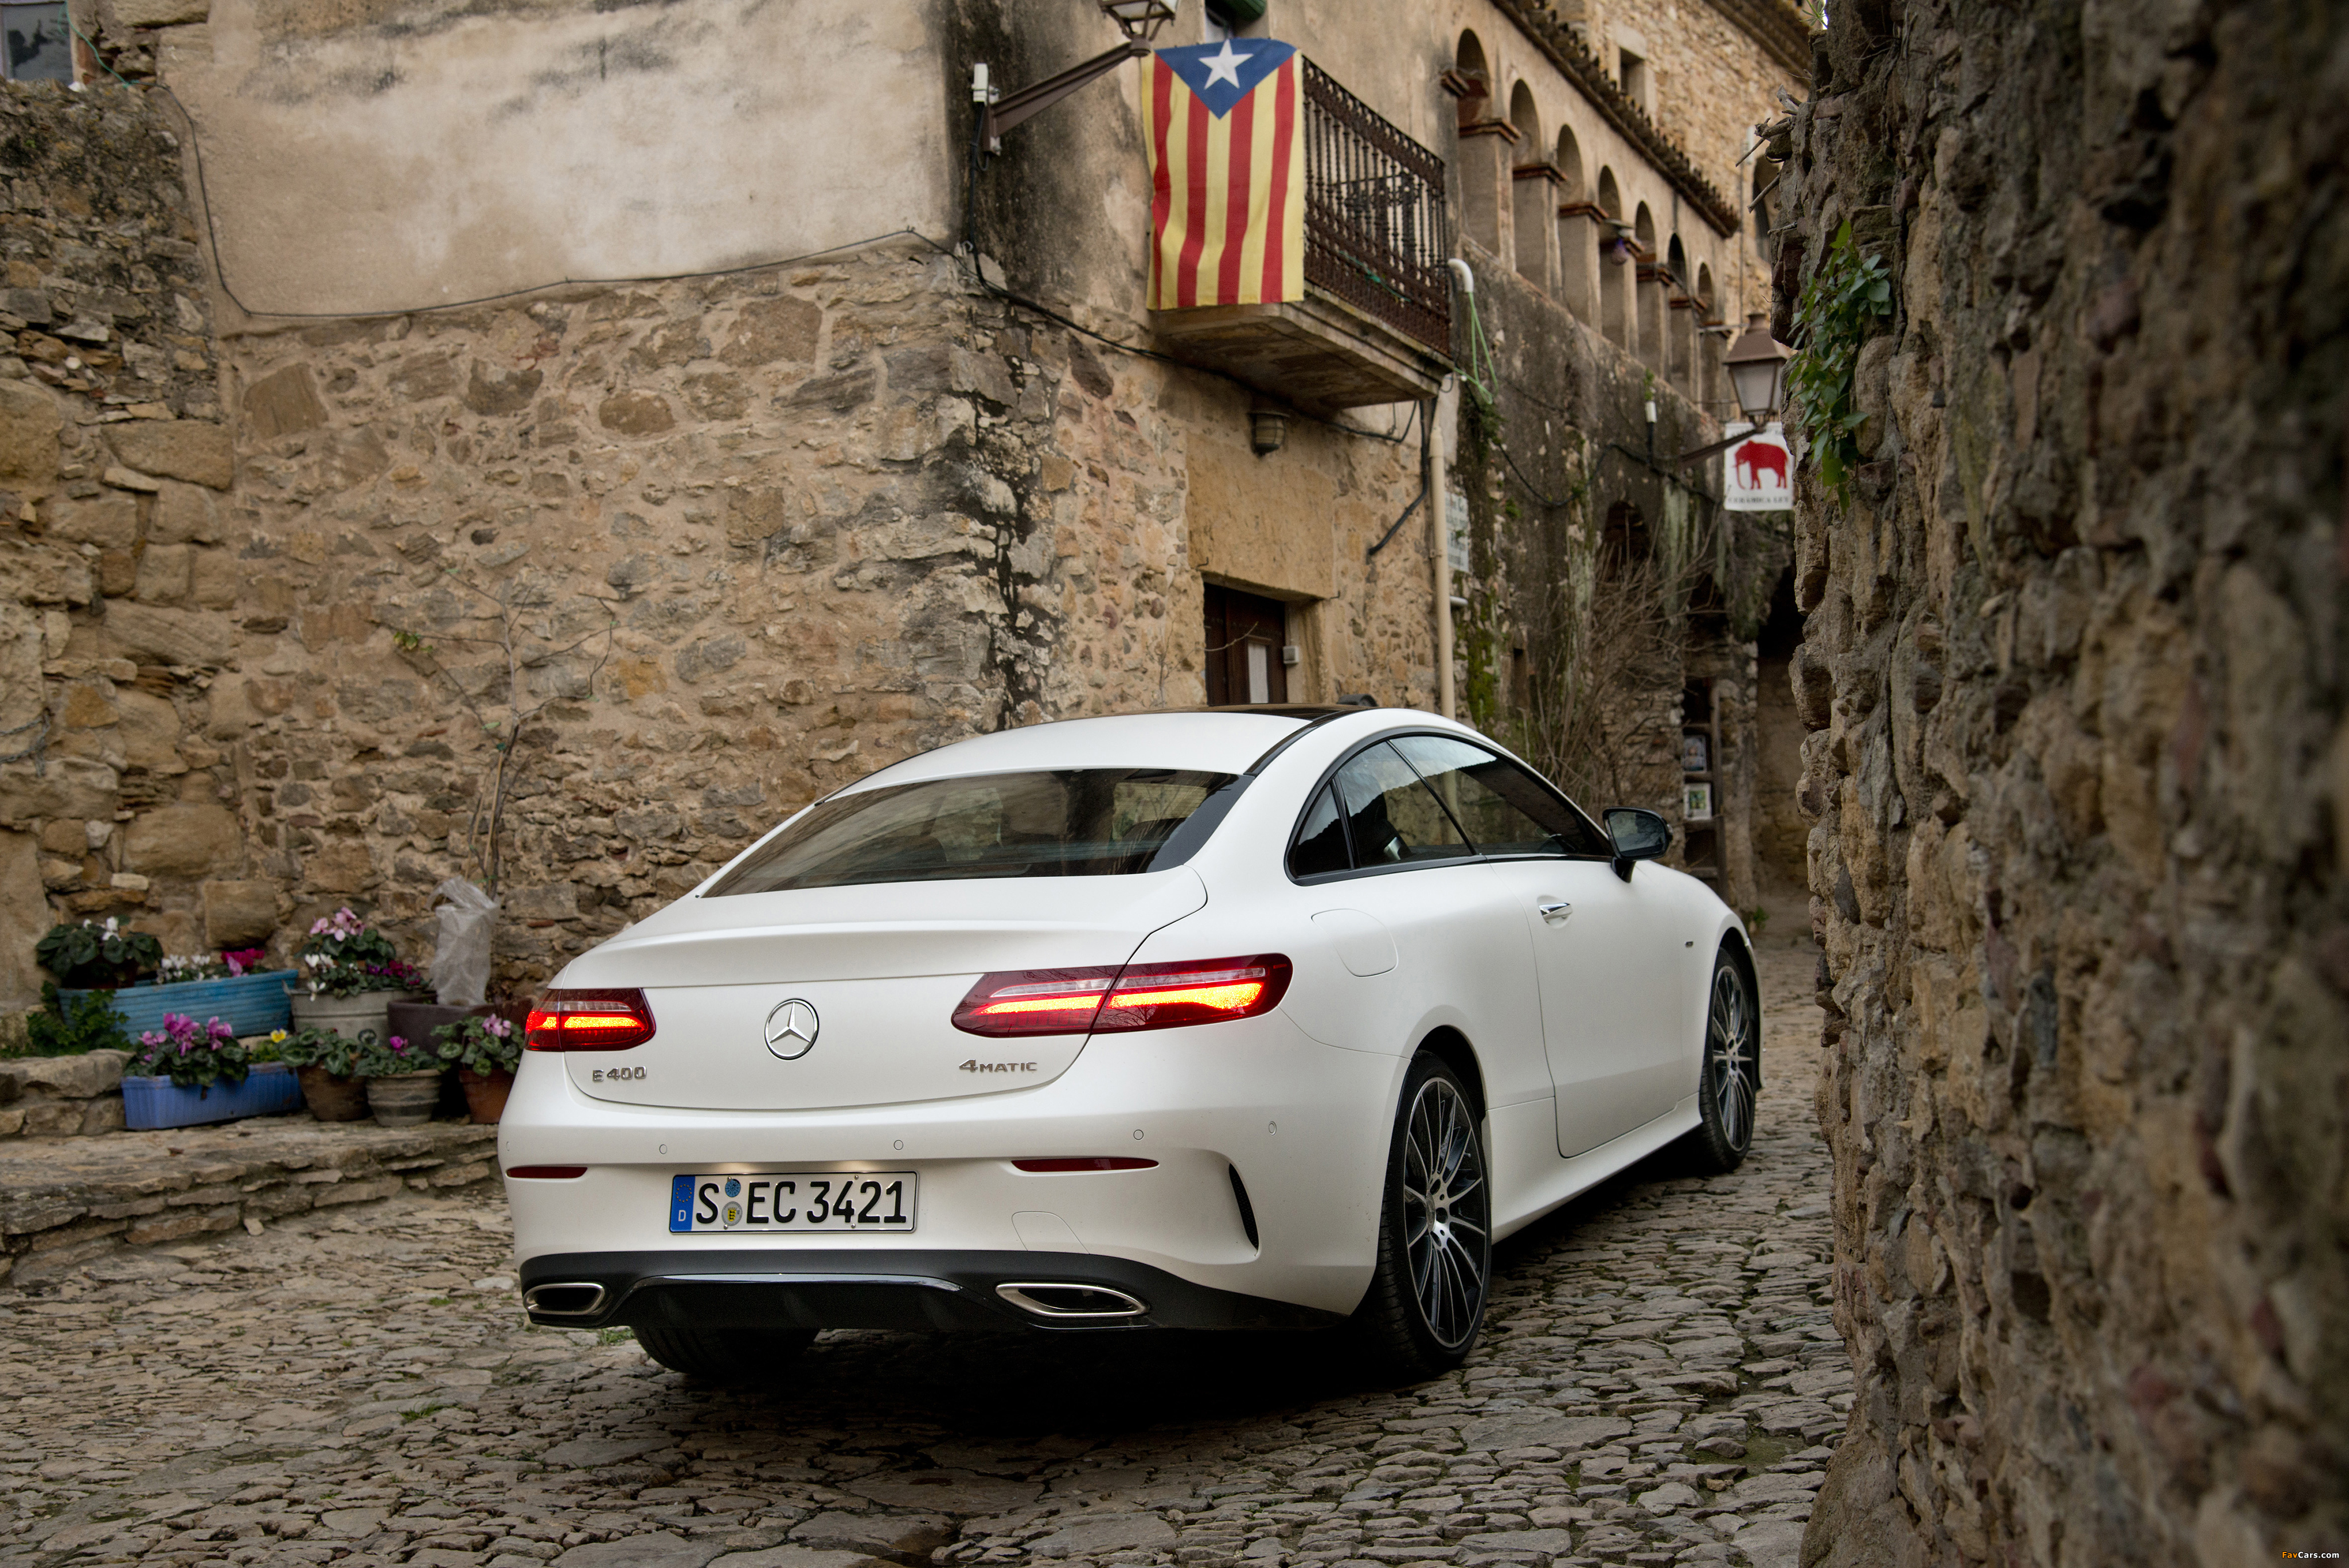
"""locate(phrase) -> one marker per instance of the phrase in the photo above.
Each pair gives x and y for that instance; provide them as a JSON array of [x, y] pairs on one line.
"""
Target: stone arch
[[1530, 201], [1708, 344], [1614, 268], [1480, 147], [1648, 316], [1578, 236], [1570, 165], [1679, 318]]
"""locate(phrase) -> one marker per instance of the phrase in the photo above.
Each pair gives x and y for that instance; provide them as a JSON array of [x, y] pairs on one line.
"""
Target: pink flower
[[398, 1042], [497, 1026]]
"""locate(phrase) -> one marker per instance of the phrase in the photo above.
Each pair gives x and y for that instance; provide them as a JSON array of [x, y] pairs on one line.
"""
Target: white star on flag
[[1225, 67]]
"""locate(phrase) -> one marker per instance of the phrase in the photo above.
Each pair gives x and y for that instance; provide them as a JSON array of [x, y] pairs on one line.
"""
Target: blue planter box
[[271, 1089], [249, 1004]]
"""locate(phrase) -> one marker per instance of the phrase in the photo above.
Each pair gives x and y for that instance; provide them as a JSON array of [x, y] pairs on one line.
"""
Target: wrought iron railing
[[1377, 233]]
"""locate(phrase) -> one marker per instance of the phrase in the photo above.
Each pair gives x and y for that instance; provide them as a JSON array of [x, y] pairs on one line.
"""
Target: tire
[[1730, 1081], [731, 1355], [1425, 1305]]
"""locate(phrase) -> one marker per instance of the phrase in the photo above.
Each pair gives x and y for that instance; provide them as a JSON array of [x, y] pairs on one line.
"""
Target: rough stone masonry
[[2080, 782]]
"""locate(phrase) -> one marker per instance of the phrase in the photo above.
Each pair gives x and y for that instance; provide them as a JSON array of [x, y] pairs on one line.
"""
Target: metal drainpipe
[[1439, 492]]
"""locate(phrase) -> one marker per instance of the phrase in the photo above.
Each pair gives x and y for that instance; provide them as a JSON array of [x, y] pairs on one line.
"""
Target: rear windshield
[[1081, 822]]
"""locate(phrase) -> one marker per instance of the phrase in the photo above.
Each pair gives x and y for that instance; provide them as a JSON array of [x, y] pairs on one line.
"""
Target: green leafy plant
[[315, 1047], [486, 1045], [344, 956], [1839, 305], [88, 955], [73, 1027], [389, 1058], [191, 1054]]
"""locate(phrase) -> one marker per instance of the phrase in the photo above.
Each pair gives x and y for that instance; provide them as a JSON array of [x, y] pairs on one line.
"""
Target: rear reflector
[[1107, 1000], [1105, 1162], [588, 1021], [547, 1172]]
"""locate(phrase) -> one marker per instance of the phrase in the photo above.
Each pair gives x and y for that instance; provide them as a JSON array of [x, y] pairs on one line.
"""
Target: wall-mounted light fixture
[[1268, 430], [1139, 20], [1617, 248]]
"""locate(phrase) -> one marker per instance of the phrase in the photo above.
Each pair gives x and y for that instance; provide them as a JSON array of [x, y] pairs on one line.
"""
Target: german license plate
[[767, 1202]]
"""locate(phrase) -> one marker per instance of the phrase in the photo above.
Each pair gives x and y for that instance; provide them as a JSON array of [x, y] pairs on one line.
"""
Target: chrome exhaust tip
[[1065, 1303], [573, 1300]]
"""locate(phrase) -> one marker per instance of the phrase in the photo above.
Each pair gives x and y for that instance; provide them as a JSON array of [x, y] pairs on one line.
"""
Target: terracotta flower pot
[[485, 1093], [404, 1099], [332, 1098]]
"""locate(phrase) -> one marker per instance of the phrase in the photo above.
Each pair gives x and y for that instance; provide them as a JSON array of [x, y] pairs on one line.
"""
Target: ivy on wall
[[1837, 311]]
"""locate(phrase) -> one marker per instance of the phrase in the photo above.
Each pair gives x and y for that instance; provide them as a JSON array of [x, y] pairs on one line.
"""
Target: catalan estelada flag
[[1225, 124]]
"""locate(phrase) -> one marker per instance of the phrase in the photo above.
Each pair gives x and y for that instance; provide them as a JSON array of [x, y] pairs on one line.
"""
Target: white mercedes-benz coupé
[[1225, 1019]]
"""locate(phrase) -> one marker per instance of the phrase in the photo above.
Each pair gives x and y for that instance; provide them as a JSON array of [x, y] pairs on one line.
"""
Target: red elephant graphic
[[1756, 458]]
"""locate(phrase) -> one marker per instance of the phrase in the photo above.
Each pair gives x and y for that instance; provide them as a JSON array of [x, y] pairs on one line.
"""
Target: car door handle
[[1554, 913]]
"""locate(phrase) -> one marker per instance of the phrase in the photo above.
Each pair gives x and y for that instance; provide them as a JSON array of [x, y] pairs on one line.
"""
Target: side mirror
[[1637, 835]]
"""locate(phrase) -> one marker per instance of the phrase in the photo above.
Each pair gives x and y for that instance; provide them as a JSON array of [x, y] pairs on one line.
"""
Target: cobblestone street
[[1659, 1382]]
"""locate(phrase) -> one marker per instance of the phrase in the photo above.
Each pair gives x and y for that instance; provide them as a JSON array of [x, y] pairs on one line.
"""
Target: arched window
[[1480, 149], [1615, 266], [1708, 344], [1530, 194], [1679, 319], [1650, 296], [1578, 236], [1570, 166]]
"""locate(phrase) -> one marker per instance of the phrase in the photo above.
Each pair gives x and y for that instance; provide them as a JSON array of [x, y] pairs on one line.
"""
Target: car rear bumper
[[1304, 1126], [899, 1288]]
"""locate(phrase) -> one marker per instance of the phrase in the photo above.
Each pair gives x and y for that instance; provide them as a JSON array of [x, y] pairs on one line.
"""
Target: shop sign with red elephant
[[1757, 471]]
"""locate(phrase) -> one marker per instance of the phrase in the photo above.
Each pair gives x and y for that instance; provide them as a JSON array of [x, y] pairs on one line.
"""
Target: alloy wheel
[[1446, 1212], [1732, 1052]]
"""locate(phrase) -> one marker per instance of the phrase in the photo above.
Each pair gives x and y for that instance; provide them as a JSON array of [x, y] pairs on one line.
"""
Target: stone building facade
[[2078, 772], [654, 560]]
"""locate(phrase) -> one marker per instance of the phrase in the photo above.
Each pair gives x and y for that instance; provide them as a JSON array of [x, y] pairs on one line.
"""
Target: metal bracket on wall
[[1007, 109]]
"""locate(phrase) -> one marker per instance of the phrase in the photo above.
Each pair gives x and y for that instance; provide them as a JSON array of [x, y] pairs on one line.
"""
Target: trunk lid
[[881, 966]]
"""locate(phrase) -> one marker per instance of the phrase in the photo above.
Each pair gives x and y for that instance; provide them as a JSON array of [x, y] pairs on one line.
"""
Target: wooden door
[[1245, 636]]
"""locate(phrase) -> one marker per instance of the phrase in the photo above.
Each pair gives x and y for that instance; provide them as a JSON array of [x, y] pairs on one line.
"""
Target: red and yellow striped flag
[[1225, 124]]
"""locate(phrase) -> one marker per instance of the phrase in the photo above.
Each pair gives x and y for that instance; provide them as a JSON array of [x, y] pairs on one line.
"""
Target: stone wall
[[1567, 450], [114, 569], [763, 535], [2077, 763]]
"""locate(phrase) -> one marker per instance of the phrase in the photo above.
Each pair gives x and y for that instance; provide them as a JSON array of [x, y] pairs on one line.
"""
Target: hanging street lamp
[[1139, 20], [1756, 363], [1757, 371]]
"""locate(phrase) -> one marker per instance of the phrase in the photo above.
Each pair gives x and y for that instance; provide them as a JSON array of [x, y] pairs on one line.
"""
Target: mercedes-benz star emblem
[[790, 1029]]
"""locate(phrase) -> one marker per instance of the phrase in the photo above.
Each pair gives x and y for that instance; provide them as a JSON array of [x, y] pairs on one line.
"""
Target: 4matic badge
[[976, 1065]]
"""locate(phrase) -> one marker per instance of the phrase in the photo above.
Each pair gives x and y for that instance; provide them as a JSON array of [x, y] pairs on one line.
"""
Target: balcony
[[1375, 324]]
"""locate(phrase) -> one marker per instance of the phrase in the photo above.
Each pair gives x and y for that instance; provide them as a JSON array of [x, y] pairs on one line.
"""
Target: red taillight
[[588, 1021], [1107, 1000], [1100, 1162], [548, 1172]]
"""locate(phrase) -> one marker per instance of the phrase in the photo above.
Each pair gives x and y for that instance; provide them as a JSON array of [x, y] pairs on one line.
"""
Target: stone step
[[64, 1200]]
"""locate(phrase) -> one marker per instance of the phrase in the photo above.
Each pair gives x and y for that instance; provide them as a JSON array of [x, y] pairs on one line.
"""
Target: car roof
[[1203, 740]]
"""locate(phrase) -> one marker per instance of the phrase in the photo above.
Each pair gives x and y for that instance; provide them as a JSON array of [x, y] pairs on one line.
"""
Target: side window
[[1391, 817], [1320, 846], [1504, 809]]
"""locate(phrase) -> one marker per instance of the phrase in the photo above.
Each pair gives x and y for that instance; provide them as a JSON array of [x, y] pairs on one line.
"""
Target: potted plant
[[403, 1081], [187, 1074], [87, 961], [235, 987], [88, 956], [328, 1065], [350, 975], [485, 1052]]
